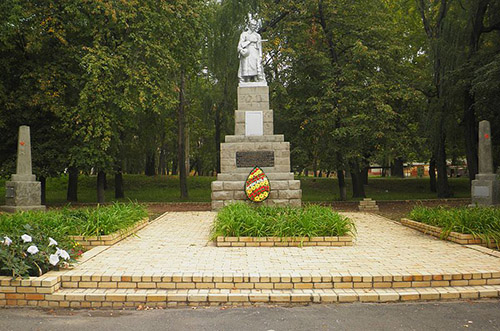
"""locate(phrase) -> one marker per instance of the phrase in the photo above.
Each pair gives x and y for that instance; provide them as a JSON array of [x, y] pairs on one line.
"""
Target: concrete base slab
[[13, 209]]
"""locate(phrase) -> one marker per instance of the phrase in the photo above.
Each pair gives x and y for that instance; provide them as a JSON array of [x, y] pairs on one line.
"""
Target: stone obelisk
[[485, 188], [23, 192]]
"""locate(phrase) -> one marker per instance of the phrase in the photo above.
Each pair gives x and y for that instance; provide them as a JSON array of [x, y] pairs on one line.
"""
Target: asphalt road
[[473, 315]]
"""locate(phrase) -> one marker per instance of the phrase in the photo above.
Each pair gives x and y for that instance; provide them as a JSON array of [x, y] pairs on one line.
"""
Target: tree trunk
[[105, 181], [365, 175], [398, 169], [43, 184], [119, 192], [149, 170], [162, 162], [72, 192], [470, 122], [217, 138], [432, 174], [342, 186], [182, 141], [101, 175], [315, 167], [443, 189], [471, 136], [174, 166], [358, 188]]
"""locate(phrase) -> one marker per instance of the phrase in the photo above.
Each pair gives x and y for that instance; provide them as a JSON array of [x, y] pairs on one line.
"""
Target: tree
[[344, 72]]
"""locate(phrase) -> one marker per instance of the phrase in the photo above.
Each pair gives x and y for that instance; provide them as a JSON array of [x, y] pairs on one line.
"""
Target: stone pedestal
[[255, 144], [485, 188], [23, 192]]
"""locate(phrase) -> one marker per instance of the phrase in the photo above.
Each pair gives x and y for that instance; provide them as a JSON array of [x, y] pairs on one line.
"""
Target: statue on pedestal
[[250, 54]]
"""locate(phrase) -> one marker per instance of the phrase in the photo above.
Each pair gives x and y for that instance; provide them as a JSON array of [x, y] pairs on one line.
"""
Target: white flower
[[52, 242], [26, 238], [7, 241], [63, 254], [32, 249], [54, 259]]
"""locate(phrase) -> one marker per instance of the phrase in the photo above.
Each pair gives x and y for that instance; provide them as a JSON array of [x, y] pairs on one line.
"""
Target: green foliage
[[16, 260], [101, 220], [482, 222], [344, 77], [243, 220]]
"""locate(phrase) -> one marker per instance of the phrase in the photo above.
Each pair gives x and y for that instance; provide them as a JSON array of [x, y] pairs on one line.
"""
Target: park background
[[131, 99]]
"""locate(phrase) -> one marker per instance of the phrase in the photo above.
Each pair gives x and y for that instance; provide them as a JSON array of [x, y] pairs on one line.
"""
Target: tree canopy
[[149, 86]]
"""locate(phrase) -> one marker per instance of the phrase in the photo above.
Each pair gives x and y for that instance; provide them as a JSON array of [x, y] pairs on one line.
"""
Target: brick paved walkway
[[178, 242]]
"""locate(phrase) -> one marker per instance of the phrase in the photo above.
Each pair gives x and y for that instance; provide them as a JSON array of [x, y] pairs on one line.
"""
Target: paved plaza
[[178, 242], [173, 263]]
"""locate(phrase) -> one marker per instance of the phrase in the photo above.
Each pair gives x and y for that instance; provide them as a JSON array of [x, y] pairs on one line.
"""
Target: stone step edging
[[284, 281], [338, 241], [175, 298], [89, 242], [456, 237]]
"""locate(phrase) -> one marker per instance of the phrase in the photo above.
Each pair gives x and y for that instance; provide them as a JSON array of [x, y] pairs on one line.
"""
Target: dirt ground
[[391, 209]]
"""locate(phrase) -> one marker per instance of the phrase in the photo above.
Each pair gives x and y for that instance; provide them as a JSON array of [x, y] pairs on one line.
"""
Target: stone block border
[[201, 298], [68, 289], [456, 237], [283, 242], [89, 242]]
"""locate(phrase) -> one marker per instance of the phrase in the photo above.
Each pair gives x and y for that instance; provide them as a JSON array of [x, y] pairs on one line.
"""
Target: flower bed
[[456, 237], [33, 243], [240, 225], [88, 242], [282, 242], [476, 225]]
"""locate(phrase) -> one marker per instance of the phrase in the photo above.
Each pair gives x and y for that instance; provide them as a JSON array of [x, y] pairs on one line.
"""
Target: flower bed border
[[283, 242], [89, 242], [456, 237]]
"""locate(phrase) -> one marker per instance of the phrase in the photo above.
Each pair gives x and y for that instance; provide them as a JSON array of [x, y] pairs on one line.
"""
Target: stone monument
[[23, 192], [254, 143], [485, 188]]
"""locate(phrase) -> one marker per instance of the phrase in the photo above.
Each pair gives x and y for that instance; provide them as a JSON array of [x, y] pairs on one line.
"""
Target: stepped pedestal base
[[255, 145], [22, 196]]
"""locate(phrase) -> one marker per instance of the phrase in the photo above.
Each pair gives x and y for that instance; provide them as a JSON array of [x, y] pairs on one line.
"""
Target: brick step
[[94, 298], [247, 281]]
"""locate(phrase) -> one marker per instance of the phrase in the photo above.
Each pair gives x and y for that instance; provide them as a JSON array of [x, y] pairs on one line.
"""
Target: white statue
[[250, 54]]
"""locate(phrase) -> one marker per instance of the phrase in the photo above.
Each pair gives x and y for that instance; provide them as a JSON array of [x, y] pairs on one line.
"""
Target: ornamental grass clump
[[104, 220], [32, 243], [482, 222], [243, 220]]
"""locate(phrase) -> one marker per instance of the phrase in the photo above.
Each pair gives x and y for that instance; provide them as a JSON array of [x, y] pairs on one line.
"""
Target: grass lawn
[[327, 189], [166, 189]]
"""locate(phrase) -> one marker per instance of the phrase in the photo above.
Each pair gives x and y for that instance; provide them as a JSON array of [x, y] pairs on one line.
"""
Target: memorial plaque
[[481, 191], [255, 158], [254, 123], [9, 192]]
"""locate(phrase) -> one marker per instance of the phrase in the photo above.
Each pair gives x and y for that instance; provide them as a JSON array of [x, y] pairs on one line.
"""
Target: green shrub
[[243, 220], [59, 225], [31, 250], [482, 222]]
